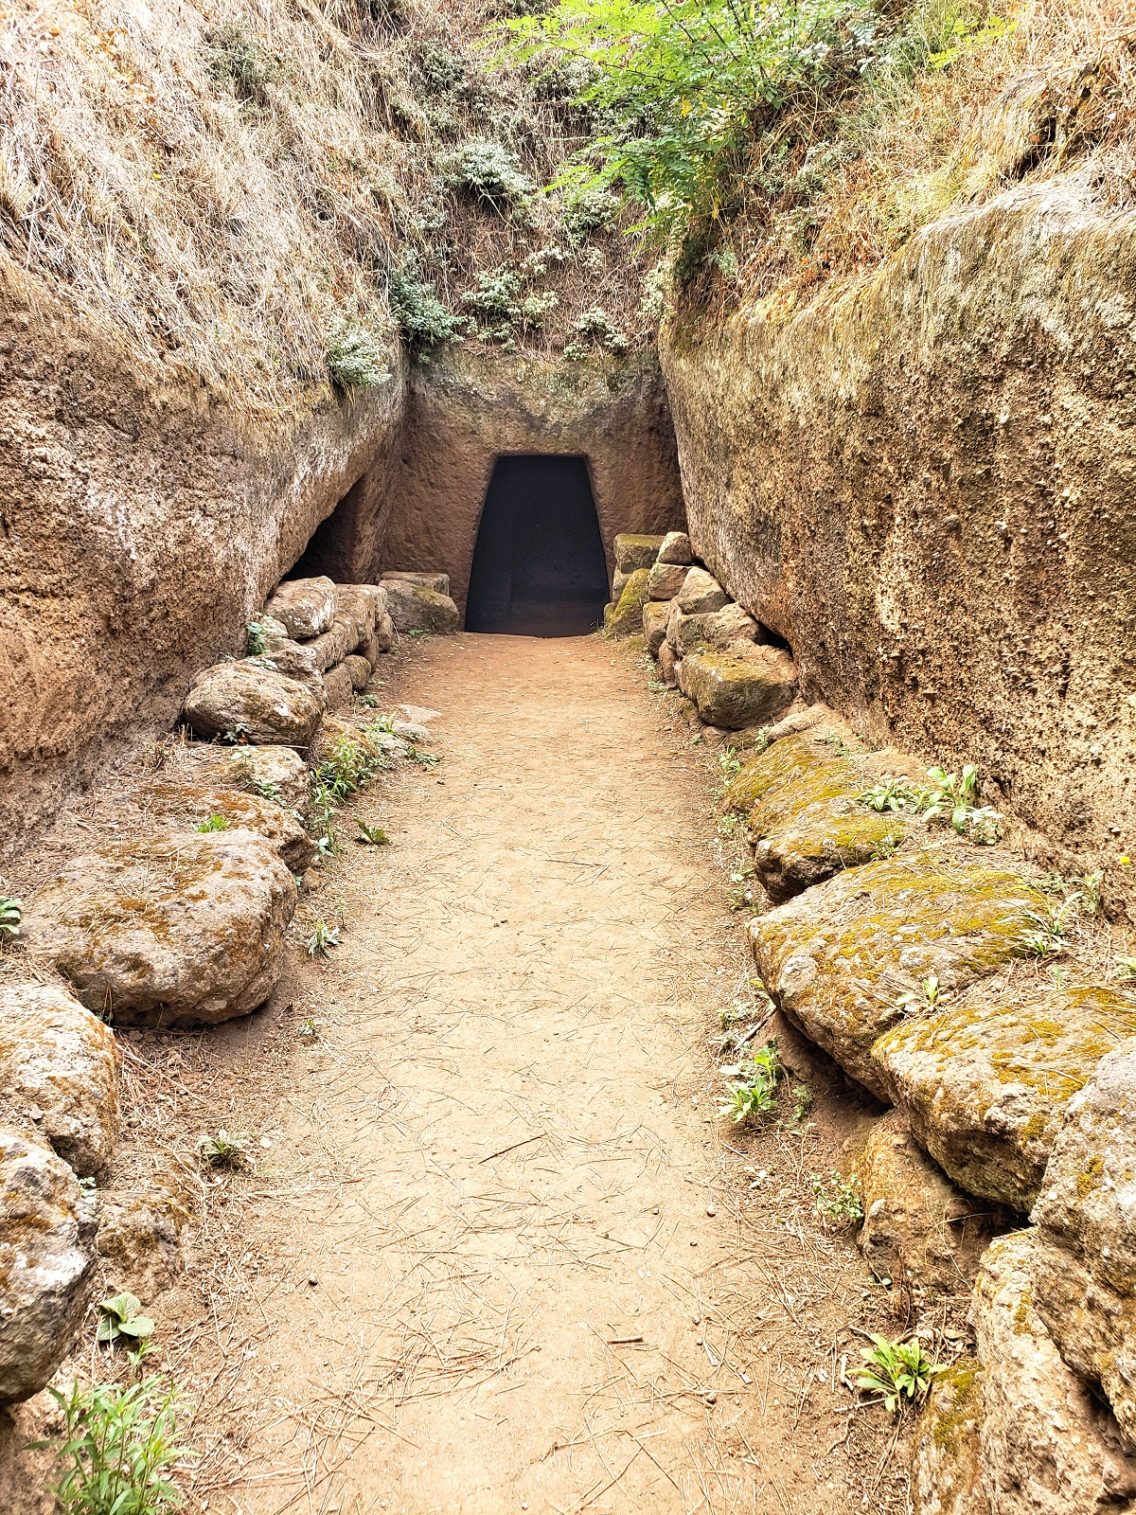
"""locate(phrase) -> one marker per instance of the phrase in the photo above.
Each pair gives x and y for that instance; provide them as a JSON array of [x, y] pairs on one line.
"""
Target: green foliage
[[596, 328], [487, 171], [11, 914], [371, 836], [236, 735], [503, 308], [966, 34], [224, 1149], [895, 1371], [588, 213], [423, 320], [116, 1446], [256, 640], [356, 359], [240, 62], [837, 1199], [322, 939], [929, 996], [308, 1029], [214, 823], [681, 86], [730, 763], [945, 796], [755, 1091], [121, 1320]]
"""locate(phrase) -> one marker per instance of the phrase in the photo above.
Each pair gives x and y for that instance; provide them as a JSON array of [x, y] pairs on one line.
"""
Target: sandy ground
[[498, 1251]]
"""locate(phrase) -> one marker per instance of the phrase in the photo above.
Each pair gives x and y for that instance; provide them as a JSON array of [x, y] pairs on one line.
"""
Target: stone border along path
[[917, 957]]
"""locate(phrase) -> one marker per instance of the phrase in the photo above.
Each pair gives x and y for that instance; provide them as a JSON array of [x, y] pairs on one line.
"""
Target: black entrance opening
[[538, 567]]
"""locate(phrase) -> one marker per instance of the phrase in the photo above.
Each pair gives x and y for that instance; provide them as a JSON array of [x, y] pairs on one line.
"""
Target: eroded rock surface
[[656, 613], [676, 548], [171, 930], [358, 670], [438, 582], [635, 550], [59, 1070], [987, 1082], [701, 593], [840, 957], [186, 806], [412, 607], [338, 687], [732, 690], [305, 607], [624, 617], [142, 1235], [713, 628], [251, 701], [664, 580], [45, 1264]]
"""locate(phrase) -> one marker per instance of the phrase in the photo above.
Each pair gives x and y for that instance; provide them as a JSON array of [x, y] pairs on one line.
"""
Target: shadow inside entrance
[[538, 567]]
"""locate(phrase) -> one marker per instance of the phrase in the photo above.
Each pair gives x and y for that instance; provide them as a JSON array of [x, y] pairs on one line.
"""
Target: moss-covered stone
[[251, 698], [987, 1082], [948, 1472], [840, 957], [624, 617], [635, 550], [787, 762], [414, 608], [732, 690]]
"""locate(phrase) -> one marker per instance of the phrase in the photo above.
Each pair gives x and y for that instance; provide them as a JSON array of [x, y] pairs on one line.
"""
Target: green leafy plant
[[116, 1447], [730, 763], [945, 796], [487, 171], [425, 323], [356, 359], [755, 1090], [371, 836], [423, 759], [929, 996], [11, 914], [121, 1320], [322, 939], [308, 1029], [837, 1199], [224, 1149], [236, 735], [895, 1371], [802, 1103], [213, 823], [1125, 970]]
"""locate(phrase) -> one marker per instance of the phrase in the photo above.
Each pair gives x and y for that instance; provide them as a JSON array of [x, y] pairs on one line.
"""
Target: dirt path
[[500, 1254]]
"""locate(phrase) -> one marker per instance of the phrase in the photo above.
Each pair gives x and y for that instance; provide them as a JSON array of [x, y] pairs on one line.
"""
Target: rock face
[[358, 670], [1017, 1433], [731, 690], [186, 806], [919, 1231], [676, 549], [1086, 1278], [382, 641], [701, 593], [276, 773], [338, 687], [364, 604], [175, 930], [413, 608], [58, 1075], [438, 582], [714, 628], [665, 580], [805, 439], [987, 1082], [44, 1265], [251, 701], [635, 550], [655, 617], [839, 957], [624, 617], [304, 607]]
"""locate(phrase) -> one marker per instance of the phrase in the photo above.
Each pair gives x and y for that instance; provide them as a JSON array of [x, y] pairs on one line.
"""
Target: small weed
[[224, 1149], [11, 914], [267, 790], [308, 1029], [322, 939], [236, 735], [214, 823], [115, 1447], [256, 640], [423, 759], [121, 1320], [802, 1104], [1049, 934], [946, 796], [371, 836], [895, 1371], [730, 763], [1125, 970], [837, 1199], [729, 826], [756, 1090], [487, 171], [239, 60], [356, 360], [929, 996], [423, 320]]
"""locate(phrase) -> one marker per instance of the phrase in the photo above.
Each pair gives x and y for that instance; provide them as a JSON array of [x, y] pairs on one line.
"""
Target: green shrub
[[504, 309], [422, 319], [755, 1091], [488, 171], [895, 1371], [587, 212], [356, 360], [596, 327], [240, 62], [116, 1446]]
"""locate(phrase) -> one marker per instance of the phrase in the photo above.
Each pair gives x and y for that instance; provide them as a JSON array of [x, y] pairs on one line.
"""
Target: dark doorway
[[538, 567]]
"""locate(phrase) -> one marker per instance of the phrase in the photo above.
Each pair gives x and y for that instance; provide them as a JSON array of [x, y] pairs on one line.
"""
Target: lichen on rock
[[251, 700], [733, 690], [624, 617], [412, 607]]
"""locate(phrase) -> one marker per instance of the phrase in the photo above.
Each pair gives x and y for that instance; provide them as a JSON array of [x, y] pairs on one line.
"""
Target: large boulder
[[295, 660], [1015, 1432], [45, 1264], [624, 617], [676, 548], [987, 1082], [655, 616], [362, 604], [170, 930], [438, 582], [306, 607], [338, 642], [701, 593], [919, 1232], [712, 628], [665, 580], [183, 806], [1086, 1285], [58, 1074], [249, 701], [732, 689], [415, 608], [274, 773], [841, 958], [634, 550]]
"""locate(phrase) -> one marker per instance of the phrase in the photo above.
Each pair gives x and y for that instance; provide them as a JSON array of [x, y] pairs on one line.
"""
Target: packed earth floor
[[498, 1250]]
